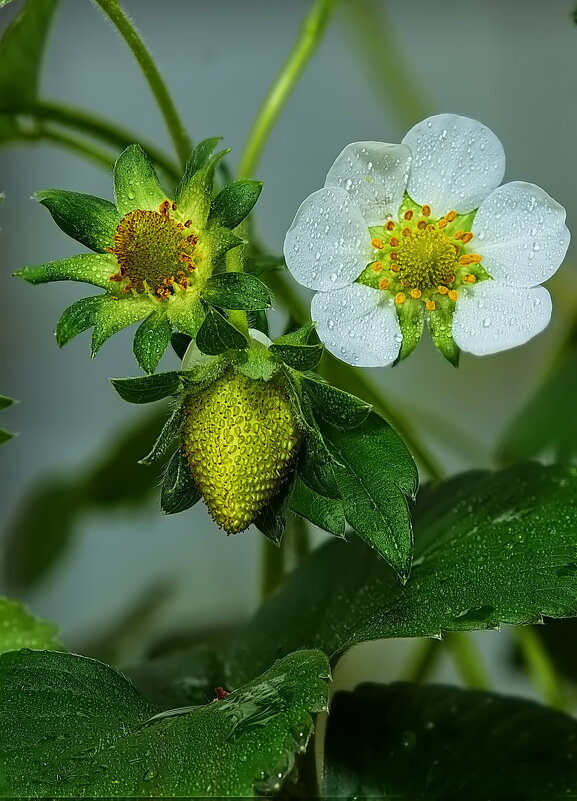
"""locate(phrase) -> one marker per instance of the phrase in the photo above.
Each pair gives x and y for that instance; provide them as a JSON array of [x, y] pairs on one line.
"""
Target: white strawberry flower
[[421, 231]]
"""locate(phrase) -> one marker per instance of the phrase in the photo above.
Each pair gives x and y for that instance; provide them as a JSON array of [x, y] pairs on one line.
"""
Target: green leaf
[[374, 472], [170, 432], [88, 219], [5, 436], [197, 160], [233, 203], [151, 340], [147, 388], [91, 268], [272, 520], [442, 743], [547, 424], [115, 314], [490, 548], [259, 265], [180, 343], [5, 402], [258, 319], [136, 184], [216, 335], [441, 328], [411, 316], [179, 491], [333, 405], [75, 727], [21, 52], [316, 465], [326, 513], [297, 336], [77, 318], [194, 193], [299, 357], [19, 628], [236, 291]]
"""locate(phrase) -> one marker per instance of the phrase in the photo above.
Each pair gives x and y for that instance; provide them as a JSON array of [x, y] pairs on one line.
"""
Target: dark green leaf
[[299, 335], [547, 425], [374, 473], [179, 491], [236, 291], [90, 220], [446, 744], [151, 340], [21, 52], [299, 357], [272, 521], [170, 431], [194, 193], [258, 319], [259, 265], [180, 343], [233, 203], [75, 727], [6, 402], [316, 465], [491, 548], [216, 335], [333, 405], [147, 388], [19, 628], [5, 436], [326, 513], [77, 318]]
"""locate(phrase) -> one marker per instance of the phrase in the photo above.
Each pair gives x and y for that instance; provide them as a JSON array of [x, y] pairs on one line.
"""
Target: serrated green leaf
[[334, 405], [91, 268], [179, 490], [19, 628], [151, 340], [147, 388], [114, 314], [75, 727], [216, 335], [136, 184], [299, 357], [326, 513], [88, 219], [233, 203], [490, 548], [196, 161], [167, 436], [374, 473], [236, 291], [21, 52], [442, 743], [77, 318]]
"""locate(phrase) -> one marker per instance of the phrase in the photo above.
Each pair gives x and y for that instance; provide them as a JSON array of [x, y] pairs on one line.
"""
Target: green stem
[[78, 146], [272, 567], [422, 661], [124, 25], [467, 660], [98, 127], [309, 38], [378, 47], [540, 669]]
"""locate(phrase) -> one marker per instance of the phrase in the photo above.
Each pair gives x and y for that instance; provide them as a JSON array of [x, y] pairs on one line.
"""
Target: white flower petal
[[521, 234], [456, 163], [375, 175], [358, 325], [491, 316], [329, 244]]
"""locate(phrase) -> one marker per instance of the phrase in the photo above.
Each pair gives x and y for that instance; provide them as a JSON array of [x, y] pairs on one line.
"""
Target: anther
[[430, 227], [390, 225], [394, 242], [393, 255], [400, 297], [449, 279], [452, 215], [426, 210], [443, 222], [421, 225], [475, 258], [406, 232], [442, 290], [395, 268], [384, 283], [431, 305], [458, 234], [377, 266], [377, 243], [453, 294], [188, 223], [408, 215], [469, 279], [467, 237], [465, 260], [173, 206], [416, 293], [405, 283], [164, 208]]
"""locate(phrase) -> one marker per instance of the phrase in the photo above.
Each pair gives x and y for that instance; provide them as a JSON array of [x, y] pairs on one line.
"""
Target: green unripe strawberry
[[240, 438]]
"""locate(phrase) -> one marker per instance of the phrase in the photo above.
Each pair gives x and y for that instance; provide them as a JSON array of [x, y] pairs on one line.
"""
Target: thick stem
[[467, 659], [175, 126], [309, 38], [539, 666], [78, 146]]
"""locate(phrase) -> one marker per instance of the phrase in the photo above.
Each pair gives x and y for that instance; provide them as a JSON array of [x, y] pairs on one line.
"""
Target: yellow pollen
[[459, 234], [469, 279], [400, 297], [390, 226], [443, 222], [384, 283], [475, 258], [406, 232], [378, 244], [377, 266], [421, 225], [452, 215], [431, 305], [442, 290], [426, 210], [465, 260], [408, 215], [425, 258], [453, 294], [416, 293], [395, 268], [393, 242], [467, 237], [393, 255]]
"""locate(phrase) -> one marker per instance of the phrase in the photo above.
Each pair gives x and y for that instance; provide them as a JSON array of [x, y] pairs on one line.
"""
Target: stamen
[[416, 293], [377, 266], [452, 215], [475, 258], [426, 210], [431, 305], [406, 232], [469, 279], [400, 297], [390, 225], [394, 242], [393, 256], [173, 206], [164, 208], [421, 225], [408, 215], [465, 260], [188, 223], [467, 237], [442, 290], [453, 294], [459, 234], [384, 283], [443, 222], [377, 243], [395, 268]]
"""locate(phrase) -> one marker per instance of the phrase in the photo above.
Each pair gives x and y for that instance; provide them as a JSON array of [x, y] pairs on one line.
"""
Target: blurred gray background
[[511, 64]]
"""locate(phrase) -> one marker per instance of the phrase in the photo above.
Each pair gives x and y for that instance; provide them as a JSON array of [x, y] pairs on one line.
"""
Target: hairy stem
[[309, 38], [125, 27]]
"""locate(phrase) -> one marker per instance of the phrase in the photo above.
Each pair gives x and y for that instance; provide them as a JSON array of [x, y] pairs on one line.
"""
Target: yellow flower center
[[154, 252], [426, 258]]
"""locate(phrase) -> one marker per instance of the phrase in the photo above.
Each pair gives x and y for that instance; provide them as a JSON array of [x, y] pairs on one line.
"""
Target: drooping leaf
[[77, 318], [19, 628], [326, 513], [216, 335], [299, 357], [406, 741], [333, 405], [491, 548], [233, 203], [75, 727], [167, 436], [272, 520], [179, 491], [88, 219], [90, 268], [151, 340], [237, 291], [147, 388]]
